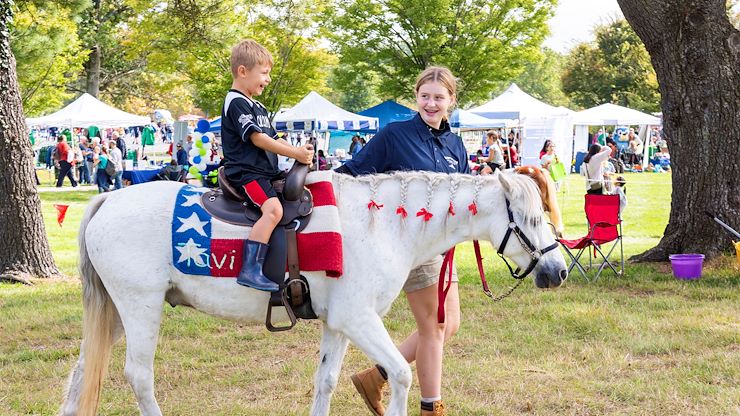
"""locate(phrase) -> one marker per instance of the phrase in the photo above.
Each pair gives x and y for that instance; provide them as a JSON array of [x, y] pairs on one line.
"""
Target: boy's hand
[[304, 154]]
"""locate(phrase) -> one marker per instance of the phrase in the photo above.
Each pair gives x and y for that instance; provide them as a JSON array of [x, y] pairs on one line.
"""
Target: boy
[[250, 147]]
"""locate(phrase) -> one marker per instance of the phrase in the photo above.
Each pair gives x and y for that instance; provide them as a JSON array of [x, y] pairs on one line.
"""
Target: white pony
[[123, 297]]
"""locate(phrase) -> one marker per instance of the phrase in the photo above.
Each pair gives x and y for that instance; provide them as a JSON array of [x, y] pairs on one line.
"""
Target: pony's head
[[525, 236]]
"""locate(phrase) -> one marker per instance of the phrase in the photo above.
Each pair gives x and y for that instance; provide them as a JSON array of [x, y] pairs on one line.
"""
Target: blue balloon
[[205, 139], [203, 126], [196, 160]]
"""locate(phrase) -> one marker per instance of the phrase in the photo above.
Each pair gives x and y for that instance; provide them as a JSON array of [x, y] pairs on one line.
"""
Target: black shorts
[[259, 190]]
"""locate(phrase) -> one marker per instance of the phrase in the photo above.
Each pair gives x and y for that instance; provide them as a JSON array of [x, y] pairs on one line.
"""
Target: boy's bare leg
[[272, 213], [255, 248]]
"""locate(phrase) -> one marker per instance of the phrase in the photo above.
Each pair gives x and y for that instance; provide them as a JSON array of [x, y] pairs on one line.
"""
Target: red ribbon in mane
[[402, 211], [473, 208], [424, 213], [451, 209], [372, 204]]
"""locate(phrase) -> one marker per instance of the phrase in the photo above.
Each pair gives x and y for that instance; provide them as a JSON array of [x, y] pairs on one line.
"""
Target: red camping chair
[[604, 227]]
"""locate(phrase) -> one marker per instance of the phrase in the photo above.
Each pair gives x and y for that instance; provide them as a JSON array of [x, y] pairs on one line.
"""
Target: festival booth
[[537, 120], [316, 114], [387, 112], [472, 127], [612, 115], [88, 111]]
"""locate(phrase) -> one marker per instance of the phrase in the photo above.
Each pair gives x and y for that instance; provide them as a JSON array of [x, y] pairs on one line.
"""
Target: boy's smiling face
[[253, 81]]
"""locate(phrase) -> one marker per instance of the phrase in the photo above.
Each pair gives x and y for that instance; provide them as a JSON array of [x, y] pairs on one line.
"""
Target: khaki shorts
[[427, 275]]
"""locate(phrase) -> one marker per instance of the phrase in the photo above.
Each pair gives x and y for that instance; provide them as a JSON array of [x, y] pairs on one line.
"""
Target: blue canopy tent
[[387, 112], [215, 125]]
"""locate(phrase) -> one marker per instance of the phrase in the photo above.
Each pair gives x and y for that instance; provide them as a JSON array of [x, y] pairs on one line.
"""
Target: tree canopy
[[482, 41], [615, 68]]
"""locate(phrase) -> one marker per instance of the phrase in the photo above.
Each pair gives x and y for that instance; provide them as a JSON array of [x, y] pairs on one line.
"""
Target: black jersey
[[243, 161]]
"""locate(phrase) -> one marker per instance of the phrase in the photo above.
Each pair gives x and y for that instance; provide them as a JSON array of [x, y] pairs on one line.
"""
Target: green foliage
[[211, 28], [616, 69], [48, 54], [481, 41], [540, 78], [353, 87]]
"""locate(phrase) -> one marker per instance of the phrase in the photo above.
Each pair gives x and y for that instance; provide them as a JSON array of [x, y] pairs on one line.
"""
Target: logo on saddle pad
[[206, 246]]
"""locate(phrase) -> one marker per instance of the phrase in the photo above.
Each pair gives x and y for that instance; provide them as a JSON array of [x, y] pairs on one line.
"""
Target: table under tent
[[317, 116], [611, 115], [537, 122]]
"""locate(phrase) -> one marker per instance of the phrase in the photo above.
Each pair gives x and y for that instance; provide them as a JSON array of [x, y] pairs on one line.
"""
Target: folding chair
[[604, 227]]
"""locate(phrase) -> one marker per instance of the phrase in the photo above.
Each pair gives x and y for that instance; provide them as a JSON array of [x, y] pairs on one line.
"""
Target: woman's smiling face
[[433, 101]]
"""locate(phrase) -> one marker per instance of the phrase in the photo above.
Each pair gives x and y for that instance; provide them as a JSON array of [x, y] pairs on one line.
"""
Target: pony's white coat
[[126, 244]]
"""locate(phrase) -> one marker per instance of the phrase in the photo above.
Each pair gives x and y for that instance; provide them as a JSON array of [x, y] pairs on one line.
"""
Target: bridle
[[512, 228]]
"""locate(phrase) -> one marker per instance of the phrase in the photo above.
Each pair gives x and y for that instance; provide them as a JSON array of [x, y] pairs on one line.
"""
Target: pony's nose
[[563, 275]]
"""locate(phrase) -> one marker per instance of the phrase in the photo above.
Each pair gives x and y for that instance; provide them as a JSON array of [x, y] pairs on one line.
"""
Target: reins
[[513, 228]]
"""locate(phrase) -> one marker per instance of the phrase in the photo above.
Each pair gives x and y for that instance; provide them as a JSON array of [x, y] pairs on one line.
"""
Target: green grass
[[645, 344]]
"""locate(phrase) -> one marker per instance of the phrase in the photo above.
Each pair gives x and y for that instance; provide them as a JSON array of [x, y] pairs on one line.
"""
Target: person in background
[[592, 168], [495, 159], [415, 143], [100, 161], [115, 157], [182, 157], [120, 144], [545, 146], [358, 146], [355, 142], [620, 188], [514, 156], [85, 166], [322, 161], [63, 153]]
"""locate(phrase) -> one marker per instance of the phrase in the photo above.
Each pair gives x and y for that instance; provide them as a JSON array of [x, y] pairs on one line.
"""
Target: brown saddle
[[229, 205]]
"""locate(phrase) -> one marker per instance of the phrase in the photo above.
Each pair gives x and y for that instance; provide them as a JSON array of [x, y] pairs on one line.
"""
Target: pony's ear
[[508, 187]]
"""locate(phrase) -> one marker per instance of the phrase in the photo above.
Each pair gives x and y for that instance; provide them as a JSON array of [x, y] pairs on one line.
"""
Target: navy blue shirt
[[243, 161], [411, 145]]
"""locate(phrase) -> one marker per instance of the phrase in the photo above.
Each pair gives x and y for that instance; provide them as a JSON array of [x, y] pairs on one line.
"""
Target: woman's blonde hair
[[437, 74]]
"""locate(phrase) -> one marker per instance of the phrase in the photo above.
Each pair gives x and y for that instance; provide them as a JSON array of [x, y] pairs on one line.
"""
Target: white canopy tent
[[540, 121], [612, 115], [316, 113], [472, 127], [88, 111]]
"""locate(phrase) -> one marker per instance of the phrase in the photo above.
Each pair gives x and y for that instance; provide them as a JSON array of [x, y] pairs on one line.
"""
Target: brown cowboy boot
[[369, 383], [437, 409]]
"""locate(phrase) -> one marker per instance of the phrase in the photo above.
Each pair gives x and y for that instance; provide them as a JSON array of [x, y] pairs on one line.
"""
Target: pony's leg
[[365, 329], [141, 319], [74, 384], [333, 349]]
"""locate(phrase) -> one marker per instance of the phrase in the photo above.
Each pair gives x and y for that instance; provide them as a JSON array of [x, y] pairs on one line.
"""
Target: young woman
[[423, 143], [100, 161], [593, 168]]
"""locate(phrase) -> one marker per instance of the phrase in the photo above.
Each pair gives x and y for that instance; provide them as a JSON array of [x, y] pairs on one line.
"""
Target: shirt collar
[[251, 101], [425, 132]]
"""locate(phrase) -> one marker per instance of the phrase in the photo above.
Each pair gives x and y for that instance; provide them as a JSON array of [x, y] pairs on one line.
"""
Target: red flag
[[61, 212]]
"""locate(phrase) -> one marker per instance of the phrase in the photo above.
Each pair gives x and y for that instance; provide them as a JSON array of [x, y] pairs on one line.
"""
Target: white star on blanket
[[192, 199], [192, 222], [191, 251]]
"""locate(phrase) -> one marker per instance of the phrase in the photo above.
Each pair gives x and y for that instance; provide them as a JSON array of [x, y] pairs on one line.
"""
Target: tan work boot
[[438, 409], [369, 383]]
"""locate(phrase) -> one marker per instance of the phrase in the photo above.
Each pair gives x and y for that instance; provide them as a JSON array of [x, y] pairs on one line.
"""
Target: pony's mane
[[524, 187]]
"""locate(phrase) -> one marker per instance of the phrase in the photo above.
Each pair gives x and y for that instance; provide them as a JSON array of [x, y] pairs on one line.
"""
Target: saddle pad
[[203, 245]]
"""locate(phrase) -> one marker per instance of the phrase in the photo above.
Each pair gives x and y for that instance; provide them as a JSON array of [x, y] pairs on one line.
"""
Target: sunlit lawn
[[643, 344]]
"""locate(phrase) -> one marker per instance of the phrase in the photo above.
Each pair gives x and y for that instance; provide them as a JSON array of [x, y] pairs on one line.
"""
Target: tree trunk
[[24, 249], [92, 69], [695, 51]]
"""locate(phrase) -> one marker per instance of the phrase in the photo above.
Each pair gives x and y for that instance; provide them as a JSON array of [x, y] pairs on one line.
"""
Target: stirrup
[[288, 310]]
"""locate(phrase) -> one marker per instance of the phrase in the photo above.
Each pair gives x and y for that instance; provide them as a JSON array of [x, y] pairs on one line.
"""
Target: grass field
[[644, 344]]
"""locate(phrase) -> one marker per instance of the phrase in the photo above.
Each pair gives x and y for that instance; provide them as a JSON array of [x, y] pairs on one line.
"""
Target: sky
[[574, 21]]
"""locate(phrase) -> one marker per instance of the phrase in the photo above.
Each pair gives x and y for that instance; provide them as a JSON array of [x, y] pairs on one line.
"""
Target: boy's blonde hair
[[249, 53]]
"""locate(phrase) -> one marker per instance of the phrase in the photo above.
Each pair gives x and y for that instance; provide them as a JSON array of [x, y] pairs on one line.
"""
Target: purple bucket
[[686, 266]]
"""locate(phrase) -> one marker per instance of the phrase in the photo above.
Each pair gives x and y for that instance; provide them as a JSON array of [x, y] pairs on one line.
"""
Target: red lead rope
[[442, 289]]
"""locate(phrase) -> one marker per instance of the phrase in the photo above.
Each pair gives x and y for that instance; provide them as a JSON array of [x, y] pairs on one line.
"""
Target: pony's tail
[[99, 319], [552, 201]]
